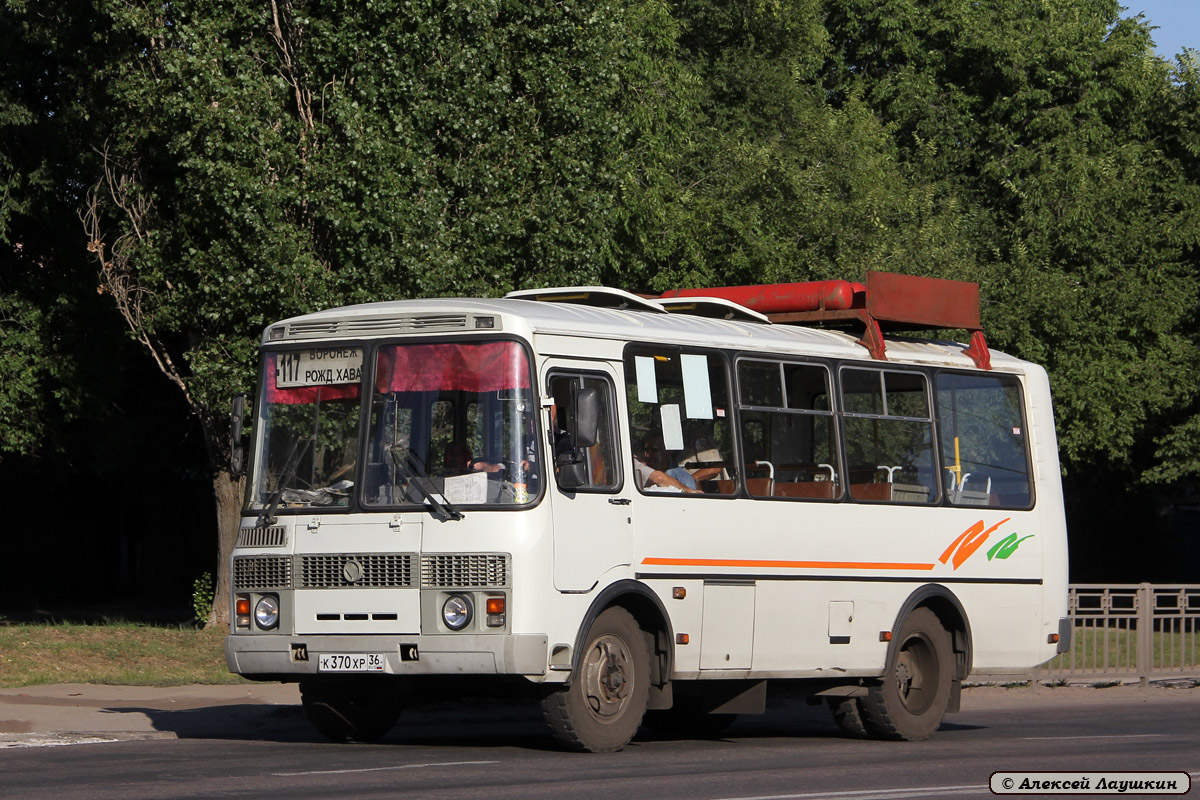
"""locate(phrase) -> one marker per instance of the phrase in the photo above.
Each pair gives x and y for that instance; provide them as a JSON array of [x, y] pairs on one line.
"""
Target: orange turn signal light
[[885, 636], [243, 605], [1052, 639], [682, 638], [495, 605]]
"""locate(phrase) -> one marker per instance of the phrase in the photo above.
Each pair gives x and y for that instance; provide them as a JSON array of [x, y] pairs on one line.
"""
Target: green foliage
[[332, 154], [765, 180], [255, 161], [1047, 121], [47, 376], [202, 598], [22, 415]]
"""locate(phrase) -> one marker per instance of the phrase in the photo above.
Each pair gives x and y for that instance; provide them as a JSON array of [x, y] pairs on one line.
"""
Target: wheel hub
[[914, 664], [607, 676]]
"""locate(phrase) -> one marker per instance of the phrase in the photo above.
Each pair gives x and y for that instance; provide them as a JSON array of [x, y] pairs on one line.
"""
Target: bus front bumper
[[286, 657]]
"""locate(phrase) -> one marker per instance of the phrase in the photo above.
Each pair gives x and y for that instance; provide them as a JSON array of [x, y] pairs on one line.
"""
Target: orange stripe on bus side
[[720, 562]]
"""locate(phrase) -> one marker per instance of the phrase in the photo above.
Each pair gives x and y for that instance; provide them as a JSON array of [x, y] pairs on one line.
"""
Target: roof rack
[[887, 301], [598, 296], [711, 307]]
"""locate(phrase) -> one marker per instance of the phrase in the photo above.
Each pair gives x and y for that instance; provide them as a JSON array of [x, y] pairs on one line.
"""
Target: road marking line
[[382, 769], [871, 794], [1107, 736]]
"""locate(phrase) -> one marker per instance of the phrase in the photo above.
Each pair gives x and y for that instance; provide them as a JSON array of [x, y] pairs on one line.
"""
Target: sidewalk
[[72, 713], [69, 713]]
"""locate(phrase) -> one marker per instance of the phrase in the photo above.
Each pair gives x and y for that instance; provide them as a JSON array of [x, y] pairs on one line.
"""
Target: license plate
[[350, 662]]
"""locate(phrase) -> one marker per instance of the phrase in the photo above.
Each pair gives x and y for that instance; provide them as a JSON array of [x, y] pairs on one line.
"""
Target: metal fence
[[1125, 632]]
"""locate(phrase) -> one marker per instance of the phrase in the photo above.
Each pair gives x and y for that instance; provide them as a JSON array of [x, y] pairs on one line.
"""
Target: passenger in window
[[704, 461], [654, 469]]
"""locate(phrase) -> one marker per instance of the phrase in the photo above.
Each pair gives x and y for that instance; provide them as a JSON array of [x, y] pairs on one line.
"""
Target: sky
[[1178, 23]]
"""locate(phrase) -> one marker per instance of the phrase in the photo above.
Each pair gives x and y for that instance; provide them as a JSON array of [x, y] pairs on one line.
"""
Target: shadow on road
[[468, 724]]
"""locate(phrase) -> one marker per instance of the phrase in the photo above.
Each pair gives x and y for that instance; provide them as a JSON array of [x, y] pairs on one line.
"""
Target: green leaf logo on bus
[[1006, 546]]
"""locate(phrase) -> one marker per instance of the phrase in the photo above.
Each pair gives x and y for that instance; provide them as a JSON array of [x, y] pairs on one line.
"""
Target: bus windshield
[[455, 420], [446, 423]]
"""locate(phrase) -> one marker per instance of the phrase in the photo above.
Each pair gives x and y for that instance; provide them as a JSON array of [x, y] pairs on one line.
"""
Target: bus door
[[593, 530]]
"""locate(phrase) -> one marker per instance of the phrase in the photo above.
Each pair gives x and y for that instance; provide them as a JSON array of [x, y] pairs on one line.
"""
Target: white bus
[[648, 510]]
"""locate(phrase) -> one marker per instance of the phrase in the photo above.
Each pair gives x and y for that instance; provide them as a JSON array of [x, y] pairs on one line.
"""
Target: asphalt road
[[502, 751]]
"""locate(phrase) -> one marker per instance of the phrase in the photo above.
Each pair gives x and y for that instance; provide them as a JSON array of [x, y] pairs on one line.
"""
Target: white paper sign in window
[[466, 490], [647, 384], [697, 394], [672, 427]]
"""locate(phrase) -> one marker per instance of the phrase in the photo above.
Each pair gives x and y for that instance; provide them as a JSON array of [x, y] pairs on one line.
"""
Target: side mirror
[[572, 475], [585, 419], [583, 424], [237, 452]]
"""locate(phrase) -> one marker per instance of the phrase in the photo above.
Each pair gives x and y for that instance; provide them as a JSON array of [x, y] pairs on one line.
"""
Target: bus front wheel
[[912, 698], [601, 708]]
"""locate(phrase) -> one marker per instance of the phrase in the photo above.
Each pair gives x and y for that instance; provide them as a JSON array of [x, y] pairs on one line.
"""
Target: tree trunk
[[228, 492]]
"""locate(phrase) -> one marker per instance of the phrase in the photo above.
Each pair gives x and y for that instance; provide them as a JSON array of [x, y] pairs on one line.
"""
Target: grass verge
[[113, 653]]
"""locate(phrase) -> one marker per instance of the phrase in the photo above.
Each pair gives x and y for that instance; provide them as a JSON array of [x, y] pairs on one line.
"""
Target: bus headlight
[[457, 612], [266, 612]]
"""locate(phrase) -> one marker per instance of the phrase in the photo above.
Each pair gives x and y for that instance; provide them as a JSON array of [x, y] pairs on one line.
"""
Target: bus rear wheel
[[848, 717], [912, 698], [601, 708], [356, 709]]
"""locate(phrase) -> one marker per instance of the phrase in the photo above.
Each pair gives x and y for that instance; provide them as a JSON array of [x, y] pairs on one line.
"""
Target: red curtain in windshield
[[482, 367], [299, 395]]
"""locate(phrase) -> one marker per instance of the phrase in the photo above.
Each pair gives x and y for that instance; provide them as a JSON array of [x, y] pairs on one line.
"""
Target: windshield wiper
[[439, 506], [267, 517]]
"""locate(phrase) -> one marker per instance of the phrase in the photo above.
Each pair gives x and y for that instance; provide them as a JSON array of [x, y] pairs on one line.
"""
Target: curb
[[58, 738]]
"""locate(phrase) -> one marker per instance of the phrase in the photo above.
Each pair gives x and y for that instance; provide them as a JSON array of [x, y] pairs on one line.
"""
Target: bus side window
[[985, 457], [889, 436], [679, 420], [788, 437]]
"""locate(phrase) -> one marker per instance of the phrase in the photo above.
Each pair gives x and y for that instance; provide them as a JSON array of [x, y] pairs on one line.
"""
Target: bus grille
[[262, 572], [371, 571], [385, 325], [464, 571], [338, 571], [275, 536], [404, 324]]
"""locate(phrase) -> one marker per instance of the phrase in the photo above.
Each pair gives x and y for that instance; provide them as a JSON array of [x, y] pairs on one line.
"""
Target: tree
[[267, 161], [43, 81], [760, 178], [1048, 120], [239, 163]]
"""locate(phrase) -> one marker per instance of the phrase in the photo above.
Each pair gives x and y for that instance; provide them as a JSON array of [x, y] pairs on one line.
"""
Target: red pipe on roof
[[781, 298]]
